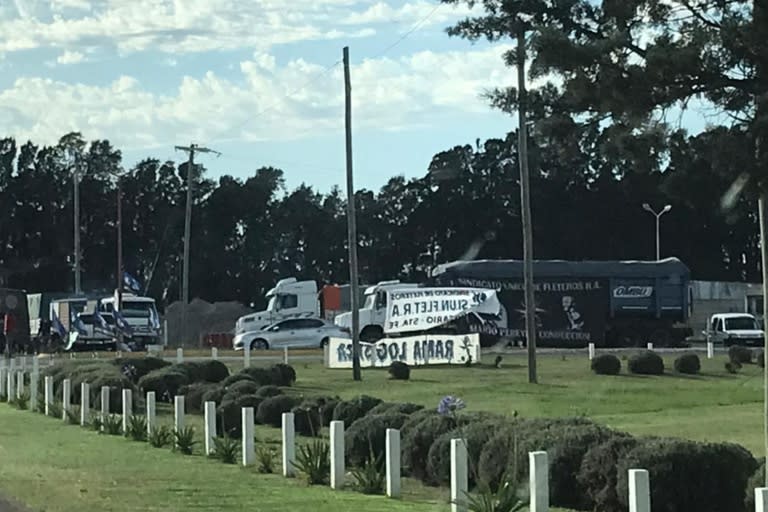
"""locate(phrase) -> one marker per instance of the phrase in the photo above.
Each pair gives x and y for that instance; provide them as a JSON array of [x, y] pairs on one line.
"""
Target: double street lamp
[[658, 215]]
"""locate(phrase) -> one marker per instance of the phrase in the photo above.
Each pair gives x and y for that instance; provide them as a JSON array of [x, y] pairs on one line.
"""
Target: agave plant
[[314, 461]]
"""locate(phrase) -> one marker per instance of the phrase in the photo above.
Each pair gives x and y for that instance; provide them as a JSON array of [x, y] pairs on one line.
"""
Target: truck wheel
[[259, 345], [371, 334]]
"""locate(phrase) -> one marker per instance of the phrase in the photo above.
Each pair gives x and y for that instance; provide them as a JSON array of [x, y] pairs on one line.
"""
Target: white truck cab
[[734, 329], [289, 298], [373, 313]]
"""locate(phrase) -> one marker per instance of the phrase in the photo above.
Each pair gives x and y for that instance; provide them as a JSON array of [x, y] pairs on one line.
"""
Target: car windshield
[[370, 301], [136, 309], [741, 323]]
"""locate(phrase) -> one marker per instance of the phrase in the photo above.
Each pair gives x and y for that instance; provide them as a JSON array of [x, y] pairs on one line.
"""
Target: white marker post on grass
[[761, 499], [179, 355], [337, 454], [48, 394], [10, 384], [249, 453], [104, 404], [127, 408], [214, 353], [538, 471], [289, 445], [639, 491], [151, 400], [19, 384], [4, 381], [66, 399], [85, 403], [210, 427], [591, 351], [247, 355], [650, 345], [285, 355], [710, 350], [459, 476], [34, 382], [178, 413], [393, 462]]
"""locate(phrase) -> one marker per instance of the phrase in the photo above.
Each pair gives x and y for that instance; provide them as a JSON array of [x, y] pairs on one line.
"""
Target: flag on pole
[[122, 324], [58, 327], [131, 283], [76, 323]]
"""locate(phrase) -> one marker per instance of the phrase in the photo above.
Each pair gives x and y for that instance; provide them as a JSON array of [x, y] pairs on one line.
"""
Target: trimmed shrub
[[688, 364], [350, 411], [402, 408], [606, 364], [269, 391], [194, 394], [597, 474], [283, 375], [732, 366], [237, 377], [203, 371], [368, 435], [243, 387], [231, 413], [755, 481], [399, 370], [165, 382], [417, 442], [262, 376], [141, 366], [689, 475], [739, 354], [307, 420], [646, 363], [116, 382], [271, 410], [214, 394]]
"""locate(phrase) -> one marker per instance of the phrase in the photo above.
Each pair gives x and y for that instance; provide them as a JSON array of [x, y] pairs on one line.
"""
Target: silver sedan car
[[293, 333]]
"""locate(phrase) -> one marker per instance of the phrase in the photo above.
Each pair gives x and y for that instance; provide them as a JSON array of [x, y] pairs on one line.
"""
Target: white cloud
[[423, 89], [69, 57], [420, 11]]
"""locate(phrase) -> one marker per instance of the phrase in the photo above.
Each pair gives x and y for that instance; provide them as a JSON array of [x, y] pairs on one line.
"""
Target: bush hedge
[[755, 481], [194, 394], [368, 435], [688, 475], [597, 474], [418, 441], [262, 376], [350, 411], [739, 354], [166, 383], [688, 364], [268, 391], [237, 377], [283, 375], [307, 420], [141, 366], [399, 370], [759, 358], [606, 364], [646, 363], [241, 387], [270, 411], [395, 407], [231, 413], [214, 394]]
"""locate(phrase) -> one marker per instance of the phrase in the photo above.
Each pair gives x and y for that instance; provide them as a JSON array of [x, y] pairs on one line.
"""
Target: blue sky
[[260, 81]]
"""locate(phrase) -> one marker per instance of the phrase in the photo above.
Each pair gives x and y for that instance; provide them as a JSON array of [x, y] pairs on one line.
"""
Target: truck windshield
[[137, 309], [741, 323], [278, 302]]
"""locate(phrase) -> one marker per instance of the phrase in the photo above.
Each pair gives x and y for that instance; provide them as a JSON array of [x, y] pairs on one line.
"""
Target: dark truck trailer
[[608, 303]]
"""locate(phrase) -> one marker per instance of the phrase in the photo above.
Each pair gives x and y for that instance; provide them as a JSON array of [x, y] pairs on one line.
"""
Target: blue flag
[[154, 319], [122, 324], [131, 282], [76, 323], [57, 326]]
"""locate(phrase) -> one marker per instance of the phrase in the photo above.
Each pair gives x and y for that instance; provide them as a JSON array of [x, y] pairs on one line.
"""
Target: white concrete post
[[650, 346], [19, 384], [3, 381], [66, 398], [179, 355], [35, 364], [104, 403], [210, 427], [85, 403], [393, 462], [538, 464], [289, 444], [639, 491], [337, 454], [249, 454], [178, 413], [285, 355], [150, 412], [11, 385], [214, 353], [48, 394], [761, 499], [710, 350], [459, 476], [591, 351], [34, 381], [246, 355], [127, 408]]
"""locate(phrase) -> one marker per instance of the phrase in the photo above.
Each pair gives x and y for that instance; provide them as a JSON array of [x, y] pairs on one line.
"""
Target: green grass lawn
[[54, 467]]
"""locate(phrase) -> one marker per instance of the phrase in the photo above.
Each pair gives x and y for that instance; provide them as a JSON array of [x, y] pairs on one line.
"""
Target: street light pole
[[119, 302], [658, 215], [76, 181]]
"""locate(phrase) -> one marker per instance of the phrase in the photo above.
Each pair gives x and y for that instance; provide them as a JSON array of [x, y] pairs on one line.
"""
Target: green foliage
[[283, 375], [73, 415], [732, 367], [237, 377], [21, 402], [739, 354], [646, 363], [688, 364], [262, 376], [399, 371], [141, 365], [505, 499], [230, 413], [757, 480], [194, 393], [270, 411], [268, 391], [184, 440], [606, 364], [161, 436], [416, 443], [166, 383], [266, 459], [226, 449], [370, 477], [366, 438], [214, 394], [55, 410], [240, 388], [307, 421], [95, 422], [313, 460], [350, 411], [388, 407], [137, 428], [112, 424], [597, 474]]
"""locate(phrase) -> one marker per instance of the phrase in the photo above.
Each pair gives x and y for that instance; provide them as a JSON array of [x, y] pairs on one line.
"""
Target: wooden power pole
[[351, 225]]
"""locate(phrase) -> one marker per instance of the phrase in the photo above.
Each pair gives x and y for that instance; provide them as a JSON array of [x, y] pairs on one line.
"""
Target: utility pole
[[191, 149], [76, 181], [119, 302], [525, 203], [764, 255], [351, 224]]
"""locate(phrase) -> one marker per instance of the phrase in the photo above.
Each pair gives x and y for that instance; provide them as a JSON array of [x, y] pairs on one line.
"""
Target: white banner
[[413, 350], [417, 309]]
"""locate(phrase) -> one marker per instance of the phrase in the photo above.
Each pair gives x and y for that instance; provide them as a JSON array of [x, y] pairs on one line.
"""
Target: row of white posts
[[649, 346], [215, 355]]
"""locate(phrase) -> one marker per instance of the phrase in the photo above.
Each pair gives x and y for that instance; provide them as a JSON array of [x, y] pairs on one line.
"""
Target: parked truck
[[728, 329], [608, 303]]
